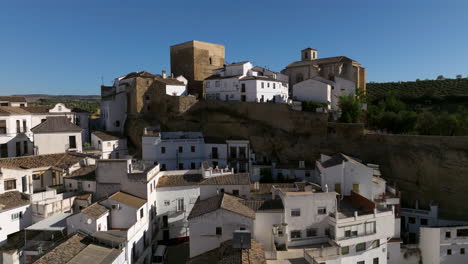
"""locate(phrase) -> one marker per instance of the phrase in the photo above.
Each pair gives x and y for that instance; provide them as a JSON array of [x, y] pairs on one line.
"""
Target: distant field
[[418, 89]]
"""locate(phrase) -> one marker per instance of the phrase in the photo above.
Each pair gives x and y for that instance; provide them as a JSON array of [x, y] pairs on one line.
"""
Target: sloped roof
[[222, 201], [128, 199], [337, 159], [59, 160], [16, 99], [96, 254], [169, 81], [336, 59], [95, 210], [179, 180], [65, 251], [56, 124], [264, 205], [227, 254], [228, 179], [39, 109], [12, 199], [107, 135], [261, 78], [237, 63], [84, 173], [10, 110], [142, 74]]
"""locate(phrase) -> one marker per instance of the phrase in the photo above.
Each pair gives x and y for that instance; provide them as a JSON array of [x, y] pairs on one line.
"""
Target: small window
[[268, 84], [361, 247], [141, 213], [235, 192], [211, 61], [274, 85], [263, 84], [117, 123], [347, 233], [375, 243], [295, 212], [10, 185], [345, 250], [322, 210], [311, 232], [163, 167], [449, 252], [167, 202], [448, 234], [219, 231], [462, 251], [375, 261], [192, 165], [181, 149], [361, 262], [295, 234], [181, 166], [423, 221], [192, 148], [462, 232], [163, 150]]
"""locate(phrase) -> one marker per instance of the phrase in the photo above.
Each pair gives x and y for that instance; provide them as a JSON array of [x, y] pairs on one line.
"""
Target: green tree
[[351, 107]]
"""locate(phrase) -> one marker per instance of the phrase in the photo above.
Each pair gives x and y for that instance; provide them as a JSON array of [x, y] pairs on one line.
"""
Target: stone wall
[[427, 168]]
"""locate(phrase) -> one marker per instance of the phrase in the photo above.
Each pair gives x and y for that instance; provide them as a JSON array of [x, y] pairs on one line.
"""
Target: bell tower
[[309, 54]]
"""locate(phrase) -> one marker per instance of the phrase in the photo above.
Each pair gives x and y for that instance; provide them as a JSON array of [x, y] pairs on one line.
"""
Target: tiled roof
[[226, 254], [60, 160], [264, 205], [228, 179], [10, 110], [37, 109], [128, 199], [95, 210], [106, 135], [222, 201], [16, 99], [217, 76], [337, 59], [237, 63], [337, 159], [84, 173], [169, 81], [12, 199], [97, 255], [179, 180], [65, 251], [54, 124], [142, 74], [260, 78]]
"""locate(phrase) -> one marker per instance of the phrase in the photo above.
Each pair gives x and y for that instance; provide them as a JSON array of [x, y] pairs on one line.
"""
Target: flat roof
[[96, 254], [56, 222]]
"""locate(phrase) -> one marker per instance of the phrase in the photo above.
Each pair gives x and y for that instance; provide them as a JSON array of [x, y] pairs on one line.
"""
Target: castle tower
[[196, 60], [309, 54]]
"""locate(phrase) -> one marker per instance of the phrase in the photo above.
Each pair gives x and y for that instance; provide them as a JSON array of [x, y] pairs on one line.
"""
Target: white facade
[[13, 220], [240, 82], [87, 224], [114, 104], [444, 244], [320, 90], [50, 143], [110, 149]]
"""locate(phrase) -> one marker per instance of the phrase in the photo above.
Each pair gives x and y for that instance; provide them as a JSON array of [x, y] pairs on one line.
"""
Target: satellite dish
[[89, 221]]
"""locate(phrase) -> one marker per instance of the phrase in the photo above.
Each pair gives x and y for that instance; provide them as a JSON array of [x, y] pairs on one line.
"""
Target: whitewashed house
[[187, 150], [57, 135], [243, 82], [89, 220], [320, 90], [15, 213], [445, 244], [109, 145], [16, 138], [13, 101]]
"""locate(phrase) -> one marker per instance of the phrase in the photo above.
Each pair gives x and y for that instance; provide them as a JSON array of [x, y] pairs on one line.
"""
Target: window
[[25, 128], [3, 150], [3, 127], [411, 220], [16, 216], [449, 252], [462, 251], [214, 153], [347, 233], [423, 221], [274, 85], [18, 126], [181, 166], [163, 167], [163, 150], [243, 87], [462, 232], [268, 84], [25, 147], [117, 123], [192, 148], [192, 165], [167, 202], [235, 192], [211, 61], [219, 231], [311, 232], [263, 84], [180, 205], [361, 262], [295, 234], [10, 185], [375, 244], [72, 141], [181, 149], [345, 250], [361, 247], [18, 148], [295, 212], [207, 85], [375, 261], [322, 210], [448, 234]]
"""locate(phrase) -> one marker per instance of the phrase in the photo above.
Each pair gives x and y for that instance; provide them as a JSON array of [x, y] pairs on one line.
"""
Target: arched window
[[211, 62], [299, 77]]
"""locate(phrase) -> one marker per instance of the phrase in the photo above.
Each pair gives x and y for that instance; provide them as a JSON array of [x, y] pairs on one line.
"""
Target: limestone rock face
[[425, 168]]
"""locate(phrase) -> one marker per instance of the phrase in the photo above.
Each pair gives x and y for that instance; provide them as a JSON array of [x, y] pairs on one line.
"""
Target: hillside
[[418, 89], [38, 97]]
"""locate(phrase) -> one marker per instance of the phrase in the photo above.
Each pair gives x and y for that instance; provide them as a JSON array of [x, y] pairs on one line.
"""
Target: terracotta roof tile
[[263, 205], [222, 201], [228, 179], [10, 110], [128, 199], [59, 160], [226, 254], [65, 251], [16, 99], [12, 199], [107, 135], [95, 210], [179, 180], [84, 173], [55, 124]]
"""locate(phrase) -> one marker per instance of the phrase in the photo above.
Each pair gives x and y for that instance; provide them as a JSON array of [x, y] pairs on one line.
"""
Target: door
[[338, 188], [72, 142], [243, 98], [356, 188], [166, 235], [165, 222]]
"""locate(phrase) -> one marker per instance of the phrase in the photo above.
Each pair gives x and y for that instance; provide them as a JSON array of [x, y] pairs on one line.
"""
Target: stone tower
[[196, 60], [309, 54]]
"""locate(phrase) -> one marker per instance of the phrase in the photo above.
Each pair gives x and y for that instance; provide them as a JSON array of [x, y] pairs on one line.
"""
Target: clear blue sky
[[65, 46]]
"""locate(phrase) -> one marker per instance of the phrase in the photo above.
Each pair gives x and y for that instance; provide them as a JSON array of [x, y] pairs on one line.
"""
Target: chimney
[[164, 75], [172, 75]]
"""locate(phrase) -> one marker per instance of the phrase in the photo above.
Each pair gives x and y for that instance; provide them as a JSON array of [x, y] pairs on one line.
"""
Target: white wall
[[312, 90], [207, 191], [48, 143], [84, 223], [110, 148], [203, 236], [9, 225], [12, 174], [175, 90]]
